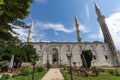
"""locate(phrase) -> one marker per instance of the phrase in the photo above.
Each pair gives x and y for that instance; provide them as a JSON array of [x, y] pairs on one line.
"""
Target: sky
[[54, 20]]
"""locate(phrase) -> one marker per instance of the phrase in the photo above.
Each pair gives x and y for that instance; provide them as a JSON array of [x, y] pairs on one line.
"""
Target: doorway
[[54, 56]]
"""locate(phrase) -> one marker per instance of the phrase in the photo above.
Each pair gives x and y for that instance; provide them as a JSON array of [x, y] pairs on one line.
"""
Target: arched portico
[[54, 56]]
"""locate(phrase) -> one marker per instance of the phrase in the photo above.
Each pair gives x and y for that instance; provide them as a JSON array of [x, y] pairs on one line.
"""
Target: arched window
[[106, 57]]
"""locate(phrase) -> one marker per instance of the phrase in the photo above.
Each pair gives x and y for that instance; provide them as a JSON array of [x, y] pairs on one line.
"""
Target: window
[[94, 57], [68, 48], [80, 47], [92, 47], [106, 57], [41, 46], [40, 58], [103, 46]]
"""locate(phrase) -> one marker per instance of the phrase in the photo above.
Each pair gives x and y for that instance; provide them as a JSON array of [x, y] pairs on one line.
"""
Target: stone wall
[[45, 51]]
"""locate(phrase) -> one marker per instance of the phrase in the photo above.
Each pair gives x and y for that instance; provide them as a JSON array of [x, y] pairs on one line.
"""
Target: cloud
[[117, 9], [97, 35], [58, 27], [40, 28], [113, 22], [54, 26], [38, 36], [23, 33], [87, 11], [83, 29]]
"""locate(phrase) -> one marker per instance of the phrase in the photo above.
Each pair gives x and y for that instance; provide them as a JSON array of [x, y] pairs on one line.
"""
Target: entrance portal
[[54, 56]]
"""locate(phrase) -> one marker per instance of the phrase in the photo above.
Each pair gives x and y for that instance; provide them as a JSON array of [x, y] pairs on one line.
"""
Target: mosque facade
[[104, 54]]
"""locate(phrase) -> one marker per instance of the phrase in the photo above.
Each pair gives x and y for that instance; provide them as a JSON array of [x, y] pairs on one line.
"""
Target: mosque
[[104, 53]]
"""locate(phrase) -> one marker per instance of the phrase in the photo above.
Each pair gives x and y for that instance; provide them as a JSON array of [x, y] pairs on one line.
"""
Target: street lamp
[[33, 63], [69, 56]]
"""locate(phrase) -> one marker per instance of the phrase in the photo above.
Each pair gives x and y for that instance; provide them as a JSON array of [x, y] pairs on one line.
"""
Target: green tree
[[22, 52], [87, 54], [12, 12], [30, 52], [4, 51]]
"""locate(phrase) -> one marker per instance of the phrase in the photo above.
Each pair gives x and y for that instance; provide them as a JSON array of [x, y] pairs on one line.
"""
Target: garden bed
[[106, 75]]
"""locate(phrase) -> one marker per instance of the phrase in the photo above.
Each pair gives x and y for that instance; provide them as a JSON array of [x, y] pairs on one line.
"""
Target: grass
[[105, 76], [37, 76]]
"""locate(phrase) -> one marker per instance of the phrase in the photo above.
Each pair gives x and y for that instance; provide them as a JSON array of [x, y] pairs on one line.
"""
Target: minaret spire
[[98, 12], [96, 6], [107, 36], [77, 30], [29, 39]]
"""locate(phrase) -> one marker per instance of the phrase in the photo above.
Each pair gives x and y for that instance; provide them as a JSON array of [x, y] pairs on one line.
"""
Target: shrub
[[85, 73], [48, 65], [116, 73], [5, 77], [25, 72], [14, 75], [40, 69], [3, 65], [96, 71], [102, 70], [110, 71]]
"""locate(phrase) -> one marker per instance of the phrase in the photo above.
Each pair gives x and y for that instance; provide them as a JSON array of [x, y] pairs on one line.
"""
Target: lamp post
[[60, 63], [33, 63], [69, 56]]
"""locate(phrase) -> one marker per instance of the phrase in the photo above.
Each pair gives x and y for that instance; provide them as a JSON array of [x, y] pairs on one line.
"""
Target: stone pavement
[[53, 74]]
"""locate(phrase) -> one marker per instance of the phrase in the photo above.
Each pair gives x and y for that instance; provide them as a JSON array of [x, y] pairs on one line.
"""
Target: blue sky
[[54, 20]]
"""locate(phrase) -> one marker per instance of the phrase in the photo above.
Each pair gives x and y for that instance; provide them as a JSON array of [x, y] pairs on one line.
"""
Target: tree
[[22, 52], [12, 12], [4, 51], [87, 55], [30, 52]]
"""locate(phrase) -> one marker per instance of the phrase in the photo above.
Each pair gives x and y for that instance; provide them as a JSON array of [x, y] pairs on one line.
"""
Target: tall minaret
[[29, 39], [77, 30], [107, 36]]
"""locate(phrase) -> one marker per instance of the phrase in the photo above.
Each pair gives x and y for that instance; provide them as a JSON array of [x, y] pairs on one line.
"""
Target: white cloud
[[87, 11], [59, 27], [113, 22], [23, 33], [83, 28], [97, 35], [54, 26], [38, 36], [117, 9], [40, 28]]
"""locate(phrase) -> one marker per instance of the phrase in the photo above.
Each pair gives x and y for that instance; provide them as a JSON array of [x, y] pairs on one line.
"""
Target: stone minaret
[[77, 30], [107, 36], [29, 39]]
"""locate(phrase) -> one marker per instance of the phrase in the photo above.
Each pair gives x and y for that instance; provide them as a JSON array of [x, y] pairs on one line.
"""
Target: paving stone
[[53, 74]]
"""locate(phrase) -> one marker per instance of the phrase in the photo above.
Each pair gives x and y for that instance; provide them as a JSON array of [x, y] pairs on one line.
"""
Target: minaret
[[107, 36], [29, 39], [77, 30]]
